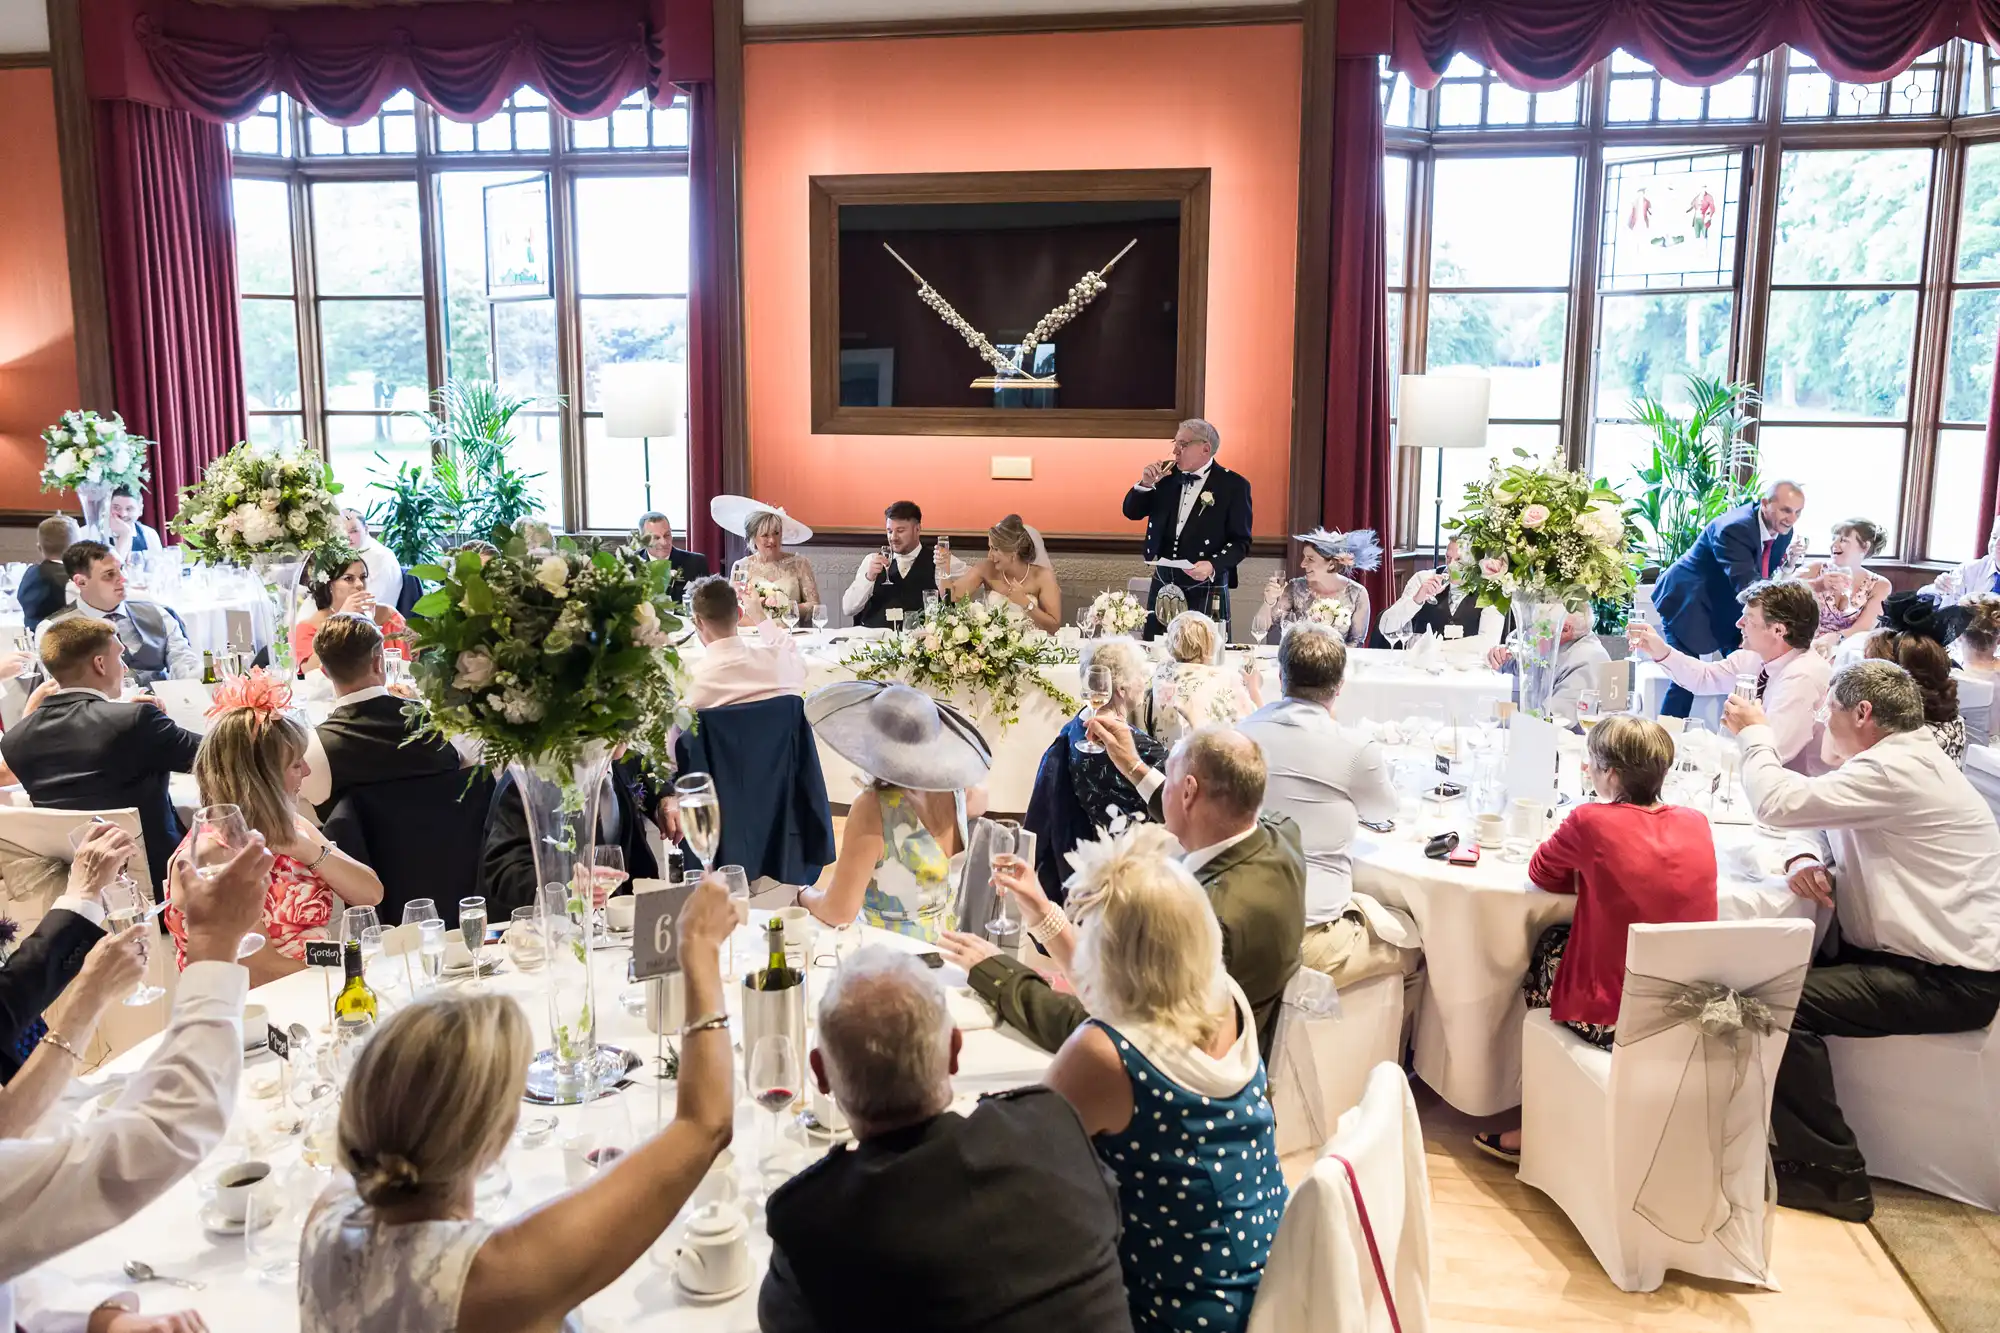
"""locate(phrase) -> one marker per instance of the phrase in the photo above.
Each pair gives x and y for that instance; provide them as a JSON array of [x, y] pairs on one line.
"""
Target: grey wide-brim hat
[[901, 736]]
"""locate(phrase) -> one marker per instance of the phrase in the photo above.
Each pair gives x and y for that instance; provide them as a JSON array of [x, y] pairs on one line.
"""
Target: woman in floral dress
[[1327, 559], [1850, 596], [254, 758], [1195, 689]]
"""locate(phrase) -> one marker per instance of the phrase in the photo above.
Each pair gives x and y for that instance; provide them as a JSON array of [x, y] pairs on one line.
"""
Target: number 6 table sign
[[656, 949]]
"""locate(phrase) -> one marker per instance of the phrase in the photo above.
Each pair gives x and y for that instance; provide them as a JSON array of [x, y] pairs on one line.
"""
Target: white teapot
[[715, 1252]]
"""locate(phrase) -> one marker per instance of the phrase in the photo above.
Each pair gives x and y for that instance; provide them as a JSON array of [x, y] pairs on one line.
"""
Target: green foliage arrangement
[[1540, 533], [1701, 464], [472, 486]]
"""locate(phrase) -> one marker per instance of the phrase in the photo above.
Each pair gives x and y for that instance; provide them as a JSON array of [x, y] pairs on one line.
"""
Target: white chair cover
[[1326, 1042], [27, 831], [1658, 1150], [187, 702], [13, 702], [1926, 1110], [1353, 1252], [1975, 705], [1982, 769]]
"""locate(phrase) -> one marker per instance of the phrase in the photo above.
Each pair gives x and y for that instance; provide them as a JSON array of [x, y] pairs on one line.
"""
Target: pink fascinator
[[262, 694]]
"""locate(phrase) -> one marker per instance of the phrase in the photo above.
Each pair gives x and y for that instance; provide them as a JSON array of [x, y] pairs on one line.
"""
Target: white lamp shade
[[1442, 411], [639, 400]]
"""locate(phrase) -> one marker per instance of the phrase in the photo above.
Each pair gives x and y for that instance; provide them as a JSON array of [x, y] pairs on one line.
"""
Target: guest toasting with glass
[[1195, 511], [897, 576], [769, 531], [1327, 561]]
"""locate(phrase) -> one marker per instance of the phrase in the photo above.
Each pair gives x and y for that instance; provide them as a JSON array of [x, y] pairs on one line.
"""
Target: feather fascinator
[[1360, 545], [262, 694]]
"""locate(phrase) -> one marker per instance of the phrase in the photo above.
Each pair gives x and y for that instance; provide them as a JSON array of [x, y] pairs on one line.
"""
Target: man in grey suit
[[1577, 661], [1328, 780], [156, 647]]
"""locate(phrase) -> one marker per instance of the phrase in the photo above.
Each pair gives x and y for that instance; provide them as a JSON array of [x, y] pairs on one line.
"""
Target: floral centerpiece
[[1332, 612], [967, 648], [552, 659], [776, 602], [269, 508], [1113, 613], [93, 455], [1541, 541]]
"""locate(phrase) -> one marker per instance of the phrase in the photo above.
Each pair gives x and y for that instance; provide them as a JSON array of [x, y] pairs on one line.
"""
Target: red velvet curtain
[[1545, 44], [709, 211], [170, 270], [1989, 483], [1356, 486]]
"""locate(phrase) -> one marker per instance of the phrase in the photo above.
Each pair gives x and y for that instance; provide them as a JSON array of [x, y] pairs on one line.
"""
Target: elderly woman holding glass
[[1196, 689], [1325, 591], [768, 530]]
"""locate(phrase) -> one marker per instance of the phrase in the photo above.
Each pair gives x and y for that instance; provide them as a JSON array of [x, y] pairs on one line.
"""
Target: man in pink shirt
[[733, 669], [1780, 619]]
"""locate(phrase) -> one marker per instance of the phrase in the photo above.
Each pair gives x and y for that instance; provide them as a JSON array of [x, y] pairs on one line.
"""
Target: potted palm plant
[[1701, 463], [471, 487]]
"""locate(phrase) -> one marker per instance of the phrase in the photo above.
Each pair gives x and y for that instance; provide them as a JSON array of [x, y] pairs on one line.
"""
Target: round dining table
[[171, 1236]]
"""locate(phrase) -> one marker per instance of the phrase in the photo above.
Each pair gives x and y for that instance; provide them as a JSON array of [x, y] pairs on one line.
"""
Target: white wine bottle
[[355, 1006]]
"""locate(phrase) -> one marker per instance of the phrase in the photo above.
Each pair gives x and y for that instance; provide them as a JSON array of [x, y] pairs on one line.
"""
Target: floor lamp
[[641, 403], [1441, 412]]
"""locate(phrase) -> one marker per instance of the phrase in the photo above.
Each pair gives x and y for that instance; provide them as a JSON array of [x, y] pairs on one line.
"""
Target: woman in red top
[[346, 590], [1630, 860]]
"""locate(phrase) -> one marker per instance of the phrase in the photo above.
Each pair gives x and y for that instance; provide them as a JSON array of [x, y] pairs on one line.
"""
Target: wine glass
[[124, 906], [355, 922], [772, 1079], [220, 832], [472, 927], [603, 1135], [809, 614], [1097, 689], [419, 910], [274, 1221], [1006, 918], [737, 880], [701, 816], [1083, 621]]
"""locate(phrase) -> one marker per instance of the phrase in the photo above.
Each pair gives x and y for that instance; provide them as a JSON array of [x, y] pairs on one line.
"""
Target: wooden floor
[[1504, 1257]]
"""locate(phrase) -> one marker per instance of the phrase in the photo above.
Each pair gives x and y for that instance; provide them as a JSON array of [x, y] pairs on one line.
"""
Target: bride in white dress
[[1016, 569]]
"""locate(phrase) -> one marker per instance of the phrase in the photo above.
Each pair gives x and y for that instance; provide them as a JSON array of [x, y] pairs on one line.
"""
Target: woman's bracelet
[[1050, 926], [706, 1024], [325, 850], [61, 1043]]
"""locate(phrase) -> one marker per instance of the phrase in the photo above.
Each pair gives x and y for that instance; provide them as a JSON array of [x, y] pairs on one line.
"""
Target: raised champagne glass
[[220, 832], [701, 816], [1096, 689]]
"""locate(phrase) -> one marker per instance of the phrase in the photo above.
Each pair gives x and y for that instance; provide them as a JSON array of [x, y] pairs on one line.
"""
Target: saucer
[[213, 1222], [709, 1297], [821, 1133]]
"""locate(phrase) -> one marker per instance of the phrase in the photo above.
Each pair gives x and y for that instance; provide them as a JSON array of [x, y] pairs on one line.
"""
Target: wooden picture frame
[[1186, 186]]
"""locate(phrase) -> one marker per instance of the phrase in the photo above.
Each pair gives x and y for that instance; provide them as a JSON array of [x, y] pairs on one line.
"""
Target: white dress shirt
[[1404, 609], [1794, 688], [81, 1180], [1971, 577], [741, 670], [1326, 780], [183, 662], [1200, 857], [385, 572], [1910, 844], [123, 545], [857, 593], [1191, 494]]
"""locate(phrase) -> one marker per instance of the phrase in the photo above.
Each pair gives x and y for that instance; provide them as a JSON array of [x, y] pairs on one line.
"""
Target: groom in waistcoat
[[1198, 512], [899, 579]]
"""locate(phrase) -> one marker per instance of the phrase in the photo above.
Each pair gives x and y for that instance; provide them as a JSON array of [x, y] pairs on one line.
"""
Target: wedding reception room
[[683, 557]]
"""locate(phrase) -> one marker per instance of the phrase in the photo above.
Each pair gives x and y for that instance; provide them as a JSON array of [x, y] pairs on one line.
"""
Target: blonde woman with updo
[[254, 758], [1167, 1079], [1195, 689], [1016, 569], [431, 1105], [1981, 637]]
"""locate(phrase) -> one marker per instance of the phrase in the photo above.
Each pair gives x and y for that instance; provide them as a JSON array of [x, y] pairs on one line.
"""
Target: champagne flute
[[472, 927], [701, 816], [1006, 918], [1097, 689], [737, 879], [430, 948], [772, 1080], [220, 832], [124, 906]]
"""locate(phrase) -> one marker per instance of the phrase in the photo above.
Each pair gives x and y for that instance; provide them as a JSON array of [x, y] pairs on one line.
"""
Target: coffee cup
[[234, 1185], [715, 1253], [1491, 830], [798, 924], [256, 1027], [619, 912]]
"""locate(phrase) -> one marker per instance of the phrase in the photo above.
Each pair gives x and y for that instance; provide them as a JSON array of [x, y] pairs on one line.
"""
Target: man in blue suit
[[1696, 597]]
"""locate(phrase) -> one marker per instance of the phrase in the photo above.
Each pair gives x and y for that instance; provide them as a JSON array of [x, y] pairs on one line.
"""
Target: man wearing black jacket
[[369, 736], [509, 861], [86, 749], [44, 588], [1198, 512]]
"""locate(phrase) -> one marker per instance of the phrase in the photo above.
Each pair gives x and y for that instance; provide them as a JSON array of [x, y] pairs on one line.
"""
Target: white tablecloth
[[1379, 687], [169, 1235], [1479, 927], [208, 618]]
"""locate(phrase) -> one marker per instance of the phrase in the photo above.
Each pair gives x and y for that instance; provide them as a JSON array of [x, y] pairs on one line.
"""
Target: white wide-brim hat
[[732, 513], [901, 736]]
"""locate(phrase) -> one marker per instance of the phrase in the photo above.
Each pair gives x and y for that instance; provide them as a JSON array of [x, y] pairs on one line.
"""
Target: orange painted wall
[[1224, 98], [37, 335]]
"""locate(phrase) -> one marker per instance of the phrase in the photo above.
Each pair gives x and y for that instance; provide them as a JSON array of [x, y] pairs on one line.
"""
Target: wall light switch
[[1013, 467]]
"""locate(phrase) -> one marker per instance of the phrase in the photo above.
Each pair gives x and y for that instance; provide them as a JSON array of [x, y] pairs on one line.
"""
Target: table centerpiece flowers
[[93, 456], [555, 661], [1540, 541], [1113, 613], [967, 649]]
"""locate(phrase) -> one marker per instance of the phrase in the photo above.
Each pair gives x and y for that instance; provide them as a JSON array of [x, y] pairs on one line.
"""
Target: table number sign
[[656, 941], [325, 955]]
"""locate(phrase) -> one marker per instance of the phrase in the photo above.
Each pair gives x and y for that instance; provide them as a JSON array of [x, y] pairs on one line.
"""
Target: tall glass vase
[[95, 496], [562, 803], [279, 571], [1538, 620]]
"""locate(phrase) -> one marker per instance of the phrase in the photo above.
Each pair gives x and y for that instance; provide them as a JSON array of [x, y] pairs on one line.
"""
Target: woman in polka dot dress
[[1166, 1078]]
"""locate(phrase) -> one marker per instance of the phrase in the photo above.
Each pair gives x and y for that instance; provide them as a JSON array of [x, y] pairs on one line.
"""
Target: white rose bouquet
[[1114, 613], [540, 651], [257, 500], [1536, 533], [1332, 612], [85, 449], [772, 598], [967, 648]]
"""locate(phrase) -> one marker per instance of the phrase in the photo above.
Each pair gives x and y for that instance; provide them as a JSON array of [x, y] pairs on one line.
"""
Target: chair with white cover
[[1325, 1044], [1657, 1150], [1982, 770], [35, 852], [1926, 1110], [1975, 706], [1353, 1251]]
